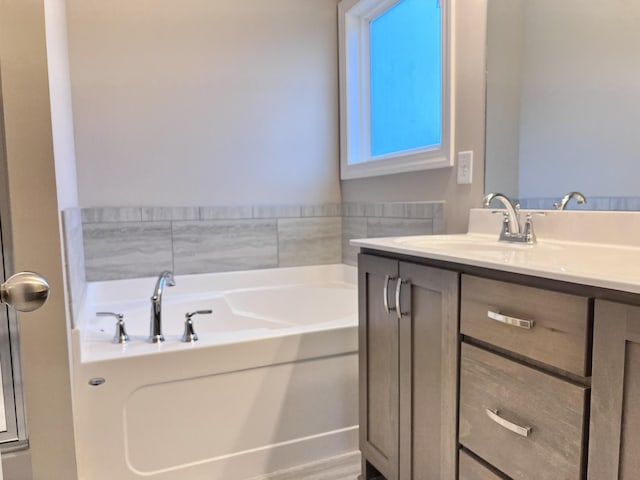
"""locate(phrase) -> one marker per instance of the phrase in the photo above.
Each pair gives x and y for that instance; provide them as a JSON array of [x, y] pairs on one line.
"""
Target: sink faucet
[[165, 277], [562, 205], [511, 216], [511, 231]]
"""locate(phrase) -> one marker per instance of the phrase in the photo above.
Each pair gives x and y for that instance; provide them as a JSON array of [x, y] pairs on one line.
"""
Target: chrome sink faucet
[[165, 277], [512, 215], [562, 204], [511, 231]]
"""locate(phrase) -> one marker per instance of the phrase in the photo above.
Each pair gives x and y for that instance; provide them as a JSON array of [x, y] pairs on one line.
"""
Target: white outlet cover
[[465, 167]]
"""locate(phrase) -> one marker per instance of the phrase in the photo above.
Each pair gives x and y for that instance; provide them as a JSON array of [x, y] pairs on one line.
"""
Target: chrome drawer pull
[[385, 294], [494, 415], [399, 312], [516, 322]]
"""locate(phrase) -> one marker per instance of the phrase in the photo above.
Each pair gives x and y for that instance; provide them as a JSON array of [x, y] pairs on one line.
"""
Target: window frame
[[356, 161]]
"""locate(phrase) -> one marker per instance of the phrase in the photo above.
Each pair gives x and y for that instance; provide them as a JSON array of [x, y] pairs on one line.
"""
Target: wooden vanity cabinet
[[408, 369], [549, 377], [614, 442]]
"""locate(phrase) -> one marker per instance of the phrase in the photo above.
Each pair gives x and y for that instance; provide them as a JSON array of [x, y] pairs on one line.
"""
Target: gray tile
[[126, 250], [374, 209], [322, 210], [111, 214], [439, 218], [438, 211], [352, 227], [276, 211], [604, 203], [157, 214], [439, 226], [74, 258], [353, 209], [224, 245], [232, 212], [633, 203], [394, 210], [394, 227], [419, 210], [309, 241]]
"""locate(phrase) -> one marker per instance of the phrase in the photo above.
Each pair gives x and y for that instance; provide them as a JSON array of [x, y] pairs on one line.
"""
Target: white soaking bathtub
[[271, 383]]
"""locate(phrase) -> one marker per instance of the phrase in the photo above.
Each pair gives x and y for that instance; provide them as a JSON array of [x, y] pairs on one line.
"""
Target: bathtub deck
[[343, 467]]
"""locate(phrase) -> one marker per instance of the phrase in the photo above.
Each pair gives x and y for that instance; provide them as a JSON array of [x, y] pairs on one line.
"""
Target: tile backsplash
[[139, 242], [369, 220], [593, 203]]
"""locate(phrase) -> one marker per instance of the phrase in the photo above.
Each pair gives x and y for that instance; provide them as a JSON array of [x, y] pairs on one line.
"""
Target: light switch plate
[[465, 167]]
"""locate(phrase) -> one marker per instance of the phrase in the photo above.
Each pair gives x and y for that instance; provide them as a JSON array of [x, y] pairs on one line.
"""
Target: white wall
[[440, 184], [61, 105], [201, 102], [581, 98]]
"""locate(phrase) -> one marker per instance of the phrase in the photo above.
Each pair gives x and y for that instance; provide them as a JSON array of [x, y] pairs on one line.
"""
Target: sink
[[484, 247]]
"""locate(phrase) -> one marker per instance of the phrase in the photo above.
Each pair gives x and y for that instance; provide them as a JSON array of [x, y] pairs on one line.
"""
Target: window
[[394, 87]]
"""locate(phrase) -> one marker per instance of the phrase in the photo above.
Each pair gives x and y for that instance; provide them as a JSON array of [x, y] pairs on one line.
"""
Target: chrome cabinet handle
[[385, 294], [399, 312], [516, 322], [494, 415]]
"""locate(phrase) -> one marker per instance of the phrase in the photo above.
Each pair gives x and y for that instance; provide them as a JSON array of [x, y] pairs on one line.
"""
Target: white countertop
[[605, 265]]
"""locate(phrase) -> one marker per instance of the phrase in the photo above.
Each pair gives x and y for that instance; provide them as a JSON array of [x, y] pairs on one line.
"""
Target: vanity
[[482, 359]]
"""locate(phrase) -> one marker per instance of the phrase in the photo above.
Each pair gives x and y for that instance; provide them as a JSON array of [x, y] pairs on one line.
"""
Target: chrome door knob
[[25, 291]]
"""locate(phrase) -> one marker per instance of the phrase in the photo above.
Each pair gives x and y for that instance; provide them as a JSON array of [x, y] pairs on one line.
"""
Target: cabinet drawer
[[553, 409], [553, 327], [470, 469]]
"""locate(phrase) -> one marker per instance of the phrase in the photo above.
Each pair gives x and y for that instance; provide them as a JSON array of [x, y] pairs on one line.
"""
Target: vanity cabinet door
[[379, 357], [428, 332], [408, 369], [615, 403]]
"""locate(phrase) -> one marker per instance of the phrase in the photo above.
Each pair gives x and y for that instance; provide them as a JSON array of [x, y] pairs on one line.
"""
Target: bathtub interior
[[244, 305]]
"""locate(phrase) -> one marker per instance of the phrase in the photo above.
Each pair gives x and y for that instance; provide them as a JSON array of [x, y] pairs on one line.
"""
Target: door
[[12, 417], [614, 440], [428, 327], [378, 351]]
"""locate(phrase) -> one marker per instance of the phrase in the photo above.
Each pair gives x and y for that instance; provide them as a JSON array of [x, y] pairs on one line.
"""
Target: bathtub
[[270, 385]]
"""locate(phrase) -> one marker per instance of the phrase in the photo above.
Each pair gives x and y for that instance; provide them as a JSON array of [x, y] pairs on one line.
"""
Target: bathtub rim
[[88, 352]]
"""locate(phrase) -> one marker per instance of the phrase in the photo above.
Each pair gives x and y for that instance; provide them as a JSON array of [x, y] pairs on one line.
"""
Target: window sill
[[395, 164]]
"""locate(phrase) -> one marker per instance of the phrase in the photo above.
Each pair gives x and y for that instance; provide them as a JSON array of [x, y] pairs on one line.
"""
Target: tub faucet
[[165, 277], [562, 204]]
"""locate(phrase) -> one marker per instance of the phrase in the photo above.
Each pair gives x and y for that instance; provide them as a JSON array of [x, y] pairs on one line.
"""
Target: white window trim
[[353, 39]]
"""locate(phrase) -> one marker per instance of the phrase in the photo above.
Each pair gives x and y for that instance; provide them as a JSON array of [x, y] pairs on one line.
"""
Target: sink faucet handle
[[529, 234], [121, 334], [190, 334], [530, 215], [506, 223]]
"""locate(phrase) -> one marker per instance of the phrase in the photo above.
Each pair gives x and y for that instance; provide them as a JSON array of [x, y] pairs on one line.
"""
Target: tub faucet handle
[[121, 334], [189, 332]]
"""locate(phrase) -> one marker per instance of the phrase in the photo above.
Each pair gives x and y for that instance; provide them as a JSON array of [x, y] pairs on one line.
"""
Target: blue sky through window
[[406, 93]]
